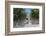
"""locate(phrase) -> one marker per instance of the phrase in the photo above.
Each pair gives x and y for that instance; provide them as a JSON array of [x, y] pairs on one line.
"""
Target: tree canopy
[[35, 14], [19, 14]]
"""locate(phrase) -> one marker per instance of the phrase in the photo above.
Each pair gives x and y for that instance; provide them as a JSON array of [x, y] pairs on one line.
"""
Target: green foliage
[[35, 14], [19, 14]]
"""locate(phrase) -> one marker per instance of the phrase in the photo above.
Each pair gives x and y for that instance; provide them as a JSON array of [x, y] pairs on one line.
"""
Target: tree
[[19, 14], [35, 14]]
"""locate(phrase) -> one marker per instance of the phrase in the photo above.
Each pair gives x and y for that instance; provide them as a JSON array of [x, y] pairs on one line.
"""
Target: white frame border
[[22, 29]]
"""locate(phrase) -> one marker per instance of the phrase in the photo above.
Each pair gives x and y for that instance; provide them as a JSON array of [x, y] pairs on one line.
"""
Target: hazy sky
[[28, 10]]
